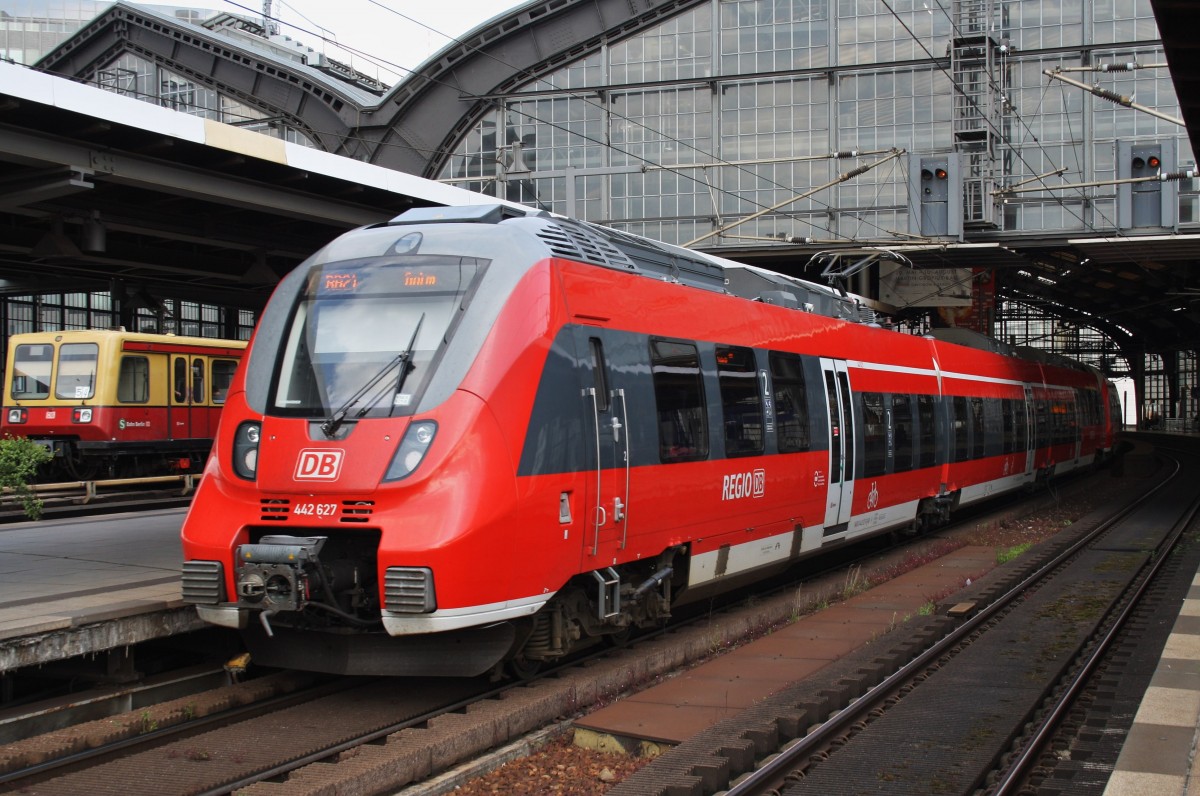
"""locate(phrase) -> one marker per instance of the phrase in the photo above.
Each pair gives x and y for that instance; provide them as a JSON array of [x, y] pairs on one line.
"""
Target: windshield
[[76, 370], [354, 318], [31, 371]]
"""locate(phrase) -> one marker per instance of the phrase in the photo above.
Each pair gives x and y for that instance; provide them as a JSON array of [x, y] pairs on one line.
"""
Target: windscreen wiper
[[403, 359], [406, 358], [335, 421]]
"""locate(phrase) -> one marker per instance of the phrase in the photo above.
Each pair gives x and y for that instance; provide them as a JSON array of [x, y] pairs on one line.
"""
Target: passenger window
[[993, 424], [961, 421], [791, 402], [1010, 436], [133, 382], [1041, 413], [222, 377], [977, 428], [1020, 425], [874, 434], [928, 450], [198, 381], [902, 423], [741, 401], [679, 398], [180, 376]]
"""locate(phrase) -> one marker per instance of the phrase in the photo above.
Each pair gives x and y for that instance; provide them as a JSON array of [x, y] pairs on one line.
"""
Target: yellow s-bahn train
[[111, 403]]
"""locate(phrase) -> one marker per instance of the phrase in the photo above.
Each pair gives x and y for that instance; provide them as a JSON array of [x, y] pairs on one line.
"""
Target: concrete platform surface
[[74, 586]]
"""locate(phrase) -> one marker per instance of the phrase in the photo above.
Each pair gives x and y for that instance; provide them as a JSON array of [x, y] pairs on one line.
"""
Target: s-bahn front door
[[606, 524], [840, 475]]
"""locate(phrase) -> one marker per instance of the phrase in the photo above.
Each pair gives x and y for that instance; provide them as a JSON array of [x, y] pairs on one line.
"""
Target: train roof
[[610, 248], [80, 335]]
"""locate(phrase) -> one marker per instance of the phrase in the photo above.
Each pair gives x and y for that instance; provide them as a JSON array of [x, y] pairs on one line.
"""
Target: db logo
[[319, 464]]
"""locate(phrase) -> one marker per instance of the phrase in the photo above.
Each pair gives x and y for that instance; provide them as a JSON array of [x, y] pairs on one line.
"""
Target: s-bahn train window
[[222, 377], [874, 434], [375, 322], [133, 381], [31, 371], [961, 421], [180, 376], [76, 370], [902, 429], [791, 402], [679, 398], [928, 450], [741, 401], [198, 394]]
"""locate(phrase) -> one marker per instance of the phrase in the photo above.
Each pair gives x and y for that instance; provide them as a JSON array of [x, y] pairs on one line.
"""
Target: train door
[[840, 494], [607, 489], [201, 417], [179, 420]]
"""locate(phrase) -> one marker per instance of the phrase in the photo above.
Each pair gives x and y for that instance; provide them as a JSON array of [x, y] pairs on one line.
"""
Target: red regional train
[[469, 439], [116, 403]]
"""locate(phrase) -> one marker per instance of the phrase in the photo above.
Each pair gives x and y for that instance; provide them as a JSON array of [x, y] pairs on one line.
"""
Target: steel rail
[[1019, 768]]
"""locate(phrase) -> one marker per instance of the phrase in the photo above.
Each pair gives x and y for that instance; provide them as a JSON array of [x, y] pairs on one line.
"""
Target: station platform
[[86, 586], [1159, 754]]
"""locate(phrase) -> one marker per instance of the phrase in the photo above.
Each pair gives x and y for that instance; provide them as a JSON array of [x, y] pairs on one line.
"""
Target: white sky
[[387, 30]]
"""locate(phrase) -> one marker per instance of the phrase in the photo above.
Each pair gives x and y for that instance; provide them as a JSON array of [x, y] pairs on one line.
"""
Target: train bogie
[[466, 438]]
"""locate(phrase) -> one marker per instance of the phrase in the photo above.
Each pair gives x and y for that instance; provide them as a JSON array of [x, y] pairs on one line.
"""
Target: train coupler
[[277, 574]]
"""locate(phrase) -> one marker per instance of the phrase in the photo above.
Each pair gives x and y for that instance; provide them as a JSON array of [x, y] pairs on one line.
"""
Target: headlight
[[411, 450], [245, 450], [17, 415], [81, 416]]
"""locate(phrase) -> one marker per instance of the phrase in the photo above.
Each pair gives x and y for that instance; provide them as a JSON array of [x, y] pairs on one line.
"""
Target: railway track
[[387, 732], [973, 712]]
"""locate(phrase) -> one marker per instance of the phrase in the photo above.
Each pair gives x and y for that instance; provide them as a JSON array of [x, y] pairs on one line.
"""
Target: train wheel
[[81, 469], [523, 669], [620, 638]]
